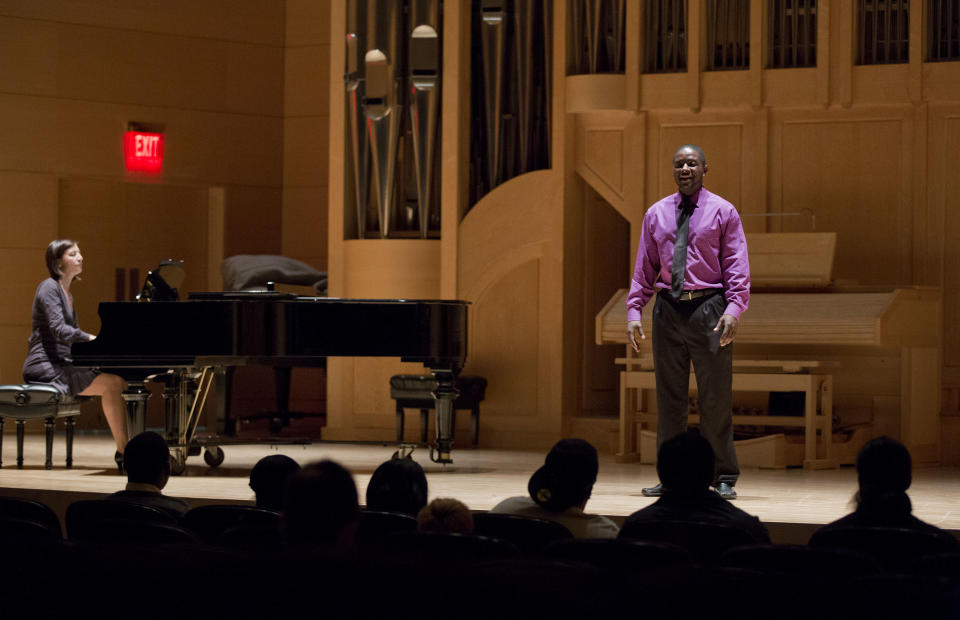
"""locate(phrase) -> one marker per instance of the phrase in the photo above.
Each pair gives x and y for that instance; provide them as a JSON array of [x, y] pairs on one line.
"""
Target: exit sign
[[143, 151]]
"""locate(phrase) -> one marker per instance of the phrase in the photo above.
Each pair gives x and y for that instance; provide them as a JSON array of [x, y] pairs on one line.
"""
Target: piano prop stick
[[194, 340]]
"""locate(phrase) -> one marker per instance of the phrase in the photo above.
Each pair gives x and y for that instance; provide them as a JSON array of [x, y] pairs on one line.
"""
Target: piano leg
[[170, 405], [445, 393], [135, 397], [281, 386], [183, 412]]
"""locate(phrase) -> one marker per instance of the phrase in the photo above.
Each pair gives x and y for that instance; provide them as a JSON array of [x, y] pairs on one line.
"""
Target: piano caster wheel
[[438, 456], [178, 463], [213, 456]]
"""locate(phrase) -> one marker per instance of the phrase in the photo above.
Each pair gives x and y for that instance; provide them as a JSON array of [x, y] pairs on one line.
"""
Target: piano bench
[[38, 401], [416, 392]]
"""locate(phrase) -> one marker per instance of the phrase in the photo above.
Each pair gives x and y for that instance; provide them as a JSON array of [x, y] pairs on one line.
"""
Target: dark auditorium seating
[[90, 519], [251, 537], [375, 525], [445, 549], [620, 554], [26, 516], [894, 548], [823, 562], [704, 540], [130, 531], [210, 522], [529, 534]]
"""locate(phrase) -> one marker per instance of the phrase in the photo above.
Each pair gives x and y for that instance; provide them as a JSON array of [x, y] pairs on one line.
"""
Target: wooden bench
[[809, 377]]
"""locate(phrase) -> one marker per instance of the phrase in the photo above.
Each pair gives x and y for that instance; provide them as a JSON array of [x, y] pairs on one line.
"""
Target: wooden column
[[455, 139]]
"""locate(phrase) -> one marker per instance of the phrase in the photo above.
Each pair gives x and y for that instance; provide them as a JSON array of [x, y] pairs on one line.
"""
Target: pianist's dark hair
[[55, 252]]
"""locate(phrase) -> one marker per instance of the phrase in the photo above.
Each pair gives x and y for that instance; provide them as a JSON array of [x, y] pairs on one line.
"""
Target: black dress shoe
[[118, 459], [725, 491], [654, 491]]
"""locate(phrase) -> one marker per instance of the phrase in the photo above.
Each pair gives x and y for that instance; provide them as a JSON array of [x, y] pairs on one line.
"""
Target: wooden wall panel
[[723, 146], [34, 45], [144, 68], [304, 225], [252, 21], [306, 110], [21, 269], [27, 209], [504, 329], [72, 137], [606, 243], [850, 173], [951, 247], [510, 263], [252, 220], [603, 155]]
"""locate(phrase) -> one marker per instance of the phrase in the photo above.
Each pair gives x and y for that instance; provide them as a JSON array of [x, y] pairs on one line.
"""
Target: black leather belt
[[697, 294]]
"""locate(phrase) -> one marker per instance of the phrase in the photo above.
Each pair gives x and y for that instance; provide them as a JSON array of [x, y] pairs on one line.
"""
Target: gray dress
[[54, 330]]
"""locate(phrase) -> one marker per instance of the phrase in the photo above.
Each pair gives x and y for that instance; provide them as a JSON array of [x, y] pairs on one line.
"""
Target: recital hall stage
[[792, 502]]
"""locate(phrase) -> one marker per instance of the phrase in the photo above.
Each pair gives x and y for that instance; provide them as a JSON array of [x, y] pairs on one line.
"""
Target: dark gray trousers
[[683, 332]]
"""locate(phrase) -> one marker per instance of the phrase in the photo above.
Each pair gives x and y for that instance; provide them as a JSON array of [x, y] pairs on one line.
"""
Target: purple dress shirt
[[716, 252]]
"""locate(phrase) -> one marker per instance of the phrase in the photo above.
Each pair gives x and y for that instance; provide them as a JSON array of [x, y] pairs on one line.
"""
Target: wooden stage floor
[[792, 502]]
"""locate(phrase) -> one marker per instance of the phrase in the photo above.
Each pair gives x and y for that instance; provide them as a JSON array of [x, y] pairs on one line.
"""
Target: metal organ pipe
[[355, 85], [424, 89], [493, 33], [393, 68]]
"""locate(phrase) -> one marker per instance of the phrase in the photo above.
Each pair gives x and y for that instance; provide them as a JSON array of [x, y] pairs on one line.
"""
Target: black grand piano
[[196, 338]]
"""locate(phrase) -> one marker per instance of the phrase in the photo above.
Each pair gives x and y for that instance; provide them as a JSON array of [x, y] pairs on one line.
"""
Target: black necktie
[[679, 267]]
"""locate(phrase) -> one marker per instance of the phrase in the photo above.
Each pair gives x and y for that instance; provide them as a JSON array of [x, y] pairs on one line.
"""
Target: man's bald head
[[693, 147]]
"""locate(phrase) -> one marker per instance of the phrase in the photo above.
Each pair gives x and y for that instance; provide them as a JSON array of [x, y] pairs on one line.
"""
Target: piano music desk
[[808, 377]]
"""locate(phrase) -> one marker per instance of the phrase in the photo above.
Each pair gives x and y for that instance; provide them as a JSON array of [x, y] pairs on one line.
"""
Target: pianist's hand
[[634, 329], [728, 323]]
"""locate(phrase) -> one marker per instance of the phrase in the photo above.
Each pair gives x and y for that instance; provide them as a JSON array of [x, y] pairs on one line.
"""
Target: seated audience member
[[398, 485], [268, 479], [445, 516], [685, 465], [560, 489], [146, 460], [320, 508], [884, 475]]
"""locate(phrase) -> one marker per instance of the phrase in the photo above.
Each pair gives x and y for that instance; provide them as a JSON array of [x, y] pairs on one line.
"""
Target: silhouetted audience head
[[320, 507], [686, 463], [268, 479], [884, 465], [146, 459], [445, 516], [567, 476], [884, 473], [398, 485]]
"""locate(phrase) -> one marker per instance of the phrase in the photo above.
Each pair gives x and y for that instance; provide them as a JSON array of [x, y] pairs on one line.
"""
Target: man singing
[[693, 250]]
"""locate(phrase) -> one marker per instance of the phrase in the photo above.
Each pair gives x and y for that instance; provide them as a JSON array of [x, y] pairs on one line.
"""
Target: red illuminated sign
[[143, 151]]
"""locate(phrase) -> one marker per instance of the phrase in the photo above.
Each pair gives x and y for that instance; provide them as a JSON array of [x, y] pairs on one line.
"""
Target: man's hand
[[728, 323], [635, 334]]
